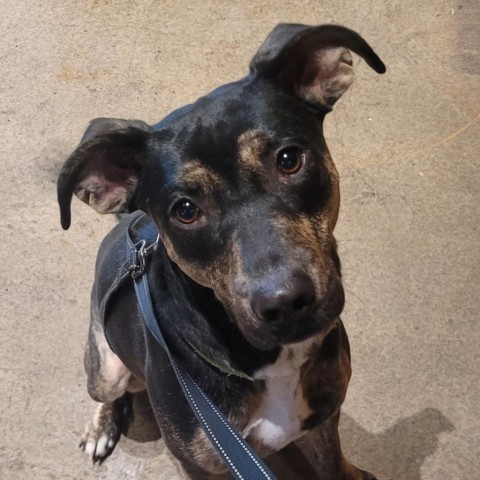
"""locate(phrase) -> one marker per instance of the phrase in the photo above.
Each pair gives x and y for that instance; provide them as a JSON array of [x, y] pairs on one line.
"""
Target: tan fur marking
[[214, 276], [333, 206], [251, 147], [196, 175], [204, 454], [326, 377], [110, 379], [201, 447], [311, 233]]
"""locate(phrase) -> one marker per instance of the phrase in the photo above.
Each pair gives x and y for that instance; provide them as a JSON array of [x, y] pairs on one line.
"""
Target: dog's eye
[[186, 211], [290, 160]]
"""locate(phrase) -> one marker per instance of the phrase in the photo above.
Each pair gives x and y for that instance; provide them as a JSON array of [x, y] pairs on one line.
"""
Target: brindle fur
[[254, 283]]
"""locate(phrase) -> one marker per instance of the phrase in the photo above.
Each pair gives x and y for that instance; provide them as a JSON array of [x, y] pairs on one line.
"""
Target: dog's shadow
[[393, 454], [398, 452]]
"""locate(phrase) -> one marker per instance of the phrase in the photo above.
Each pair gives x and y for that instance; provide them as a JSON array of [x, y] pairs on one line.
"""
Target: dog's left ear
[[313, 63]]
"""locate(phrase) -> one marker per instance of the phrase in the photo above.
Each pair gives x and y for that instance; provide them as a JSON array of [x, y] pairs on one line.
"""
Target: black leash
[[238, 456]]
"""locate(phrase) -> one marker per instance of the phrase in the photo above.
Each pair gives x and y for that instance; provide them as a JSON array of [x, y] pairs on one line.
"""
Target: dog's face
[[247, 208], [240, 184]]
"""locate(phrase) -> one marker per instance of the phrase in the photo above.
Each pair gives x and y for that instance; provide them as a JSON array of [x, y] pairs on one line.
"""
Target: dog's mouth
[[266, 339]]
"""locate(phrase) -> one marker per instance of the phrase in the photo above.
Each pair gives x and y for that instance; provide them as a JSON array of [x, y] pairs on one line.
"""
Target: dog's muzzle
[[285, 308]]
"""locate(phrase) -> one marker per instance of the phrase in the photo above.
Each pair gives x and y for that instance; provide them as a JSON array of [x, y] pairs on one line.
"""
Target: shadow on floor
[[398, 452], [394, 454]]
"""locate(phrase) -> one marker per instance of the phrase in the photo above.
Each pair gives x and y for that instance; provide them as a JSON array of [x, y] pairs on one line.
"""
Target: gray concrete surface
[[406, 145]]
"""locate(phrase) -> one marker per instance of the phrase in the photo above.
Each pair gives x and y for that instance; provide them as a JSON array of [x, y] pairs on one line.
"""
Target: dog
[[245, 279]]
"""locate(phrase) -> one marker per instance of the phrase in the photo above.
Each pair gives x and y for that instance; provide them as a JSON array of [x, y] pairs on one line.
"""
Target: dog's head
[[240, 184]]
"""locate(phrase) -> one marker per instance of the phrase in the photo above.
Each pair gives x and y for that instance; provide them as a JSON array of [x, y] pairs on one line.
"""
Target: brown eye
[[186, 211], [290, 160]]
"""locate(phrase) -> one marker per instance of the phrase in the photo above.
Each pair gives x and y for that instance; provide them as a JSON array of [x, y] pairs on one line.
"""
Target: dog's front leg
[[109, 380], [322, 447]]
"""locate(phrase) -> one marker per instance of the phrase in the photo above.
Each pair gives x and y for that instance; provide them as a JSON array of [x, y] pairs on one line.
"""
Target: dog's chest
[[278, 419]]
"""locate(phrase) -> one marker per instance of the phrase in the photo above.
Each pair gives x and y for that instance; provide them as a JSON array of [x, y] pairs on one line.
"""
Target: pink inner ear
[[106, 188], [327, 75]]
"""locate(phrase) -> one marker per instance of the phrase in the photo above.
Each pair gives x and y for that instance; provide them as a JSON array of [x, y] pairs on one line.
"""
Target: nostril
[[303, 294], [270, 315], [266, 306], [299, 303]]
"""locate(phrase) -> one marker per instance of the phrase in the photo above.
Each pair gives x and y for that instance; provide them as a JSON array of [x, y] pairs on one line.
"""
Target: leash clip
[[137, 259]]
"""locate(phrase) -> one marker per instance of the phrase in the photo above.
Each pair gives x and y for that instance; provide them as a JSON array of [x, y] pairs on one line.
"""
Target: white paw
[[98, 448], [101, 435]]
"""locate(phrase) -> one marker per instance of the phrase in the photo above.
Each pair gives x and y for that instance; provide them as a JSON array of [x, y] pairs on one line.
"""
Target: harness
[[242, 462]]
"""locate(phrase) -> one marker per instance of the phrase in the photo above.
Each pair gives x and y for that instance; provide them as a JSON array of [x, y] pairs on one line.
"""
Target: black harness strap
[[238, 456]]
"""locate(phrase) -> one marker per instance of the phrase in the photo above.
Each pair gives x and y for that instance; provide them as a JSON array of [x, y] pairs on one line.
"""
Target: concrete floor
[[406, 145]]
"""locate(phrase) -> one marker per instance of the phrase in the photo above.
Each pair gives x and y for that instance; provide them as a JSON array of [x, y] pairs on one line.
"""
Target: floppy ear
[[313, 63], [103, 170]]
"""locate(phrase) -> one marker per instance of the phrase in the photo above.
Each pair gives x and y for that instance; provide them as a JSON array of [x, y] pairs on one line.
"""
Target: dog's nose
[[282, 295]]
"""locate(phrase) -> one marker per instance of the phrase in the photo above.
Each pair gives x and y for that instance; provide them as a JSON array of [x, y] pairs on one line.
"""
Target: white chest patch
[[278, 419]]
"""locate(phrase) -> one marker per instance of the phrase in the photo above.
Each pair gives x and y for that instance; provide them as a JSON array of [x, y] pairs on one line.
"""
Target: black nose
[[281, 295]]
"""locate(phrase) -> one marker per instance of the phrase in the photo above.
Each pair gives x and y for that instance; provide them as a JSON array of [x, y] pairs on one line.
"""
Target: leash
[[238, 456]]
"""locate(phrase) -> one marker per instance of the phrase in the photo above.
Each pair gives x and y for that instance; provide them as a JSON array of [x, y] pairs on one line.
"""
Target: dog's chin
[[268, 337]]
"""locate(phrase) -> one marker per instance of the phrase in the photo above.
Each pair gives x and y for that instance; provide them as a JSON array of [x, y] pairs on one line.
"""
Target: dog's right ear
[[103, 171]]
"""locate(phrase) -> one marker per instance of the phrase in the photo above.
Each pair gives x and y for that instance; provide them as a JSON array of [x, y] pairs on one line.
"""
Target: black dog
[[245, 197]]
